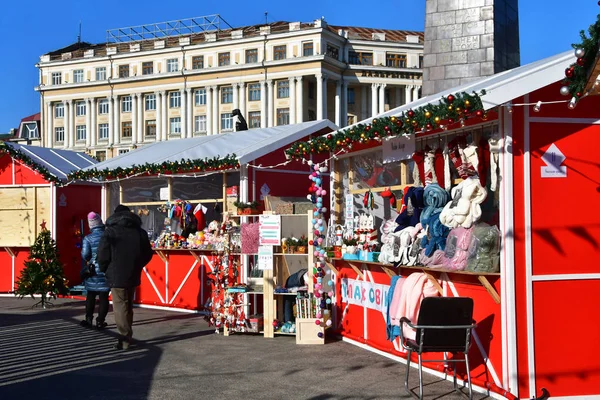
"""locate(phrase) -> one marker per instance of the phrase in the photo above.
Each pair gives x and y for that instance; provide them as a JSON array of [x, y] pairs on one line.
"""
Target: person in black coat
[[123, 252]]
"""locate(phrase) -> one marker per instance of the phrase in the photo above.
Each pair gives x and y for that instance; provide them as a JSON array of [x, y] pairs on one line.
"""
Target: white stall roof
[[246, 145]]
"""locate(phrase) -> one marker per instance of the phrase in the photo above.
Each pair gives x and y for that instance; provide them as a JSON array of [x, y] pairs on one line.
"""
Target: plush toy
[[411, 214], [464, 209]]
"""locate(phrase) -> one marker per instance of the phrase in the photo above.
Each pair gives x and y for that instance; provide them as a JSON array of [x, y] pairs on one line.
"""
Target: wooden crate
[[307, 331]]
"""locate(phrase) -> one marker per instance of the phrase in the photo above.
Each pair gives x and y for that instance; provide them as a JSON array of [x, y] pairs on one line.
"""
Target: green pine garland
[[577, 74], [25, 159], [450, 110], [212, 164]]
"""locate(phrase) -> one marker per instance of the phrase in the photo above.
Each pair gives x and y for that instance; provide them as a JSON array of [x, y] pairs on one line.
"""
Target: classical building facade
[[166, 84]]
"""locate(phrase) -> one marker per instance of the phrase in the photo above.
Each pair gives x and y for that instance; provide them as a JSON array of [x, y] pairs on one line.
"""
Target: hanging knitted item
[[495, 147], [471, 160], [447, 173], [483, 152], [419, 172], [438, 166], [461, 161], [388, 194], [429, 166]]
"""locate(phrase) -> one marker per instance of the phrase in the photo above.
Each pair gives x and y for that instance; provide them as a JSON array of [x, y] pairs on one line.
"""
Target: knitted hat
[[94, 220], [121, 208]]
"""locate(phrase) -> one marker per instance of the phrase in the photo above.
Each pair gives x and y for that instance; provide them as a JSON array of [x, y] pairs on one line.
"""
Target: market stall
[[204, 187], [465, 193], [33, 192]]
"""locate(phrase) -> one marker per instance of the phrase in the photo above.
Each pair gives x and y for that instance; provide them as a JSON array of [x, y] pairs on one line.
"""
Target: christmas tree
[[43, 273]]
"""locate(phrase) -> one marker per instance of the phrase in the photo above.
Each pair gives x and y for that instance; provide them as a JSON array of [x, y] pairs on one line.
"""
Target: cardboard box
[[307, 331]]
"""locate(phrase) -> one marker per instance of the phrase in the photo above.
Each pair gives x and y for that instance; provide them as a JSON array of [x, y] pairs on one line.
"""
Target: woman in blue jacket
[[94, 279]]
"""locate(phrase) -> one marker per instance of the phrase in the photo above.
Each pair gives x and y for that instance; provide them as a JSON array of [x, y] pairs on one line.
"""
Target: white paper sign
[[553, 158], [365, 294], [349, 212], [164, 193], [398, 149], [265, 257], [269, 230]]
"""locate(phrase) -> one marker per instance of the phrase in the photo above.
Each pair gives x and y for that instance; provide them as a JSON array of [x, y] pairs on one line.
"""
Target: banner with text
[[398, 148], [366, 294]]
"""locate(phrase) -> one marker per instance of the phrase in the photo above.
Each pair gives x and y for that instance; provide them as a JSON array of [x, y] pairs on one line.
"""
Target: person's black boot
[[87, 322], [101, 324]]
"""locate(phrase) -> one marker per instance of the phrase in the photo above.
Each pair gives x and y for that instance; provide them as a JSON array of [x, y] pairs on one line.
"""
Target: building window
[[147, 68], [101, 156], [395, 60], [123, 151], [175, 126], [126, 104], [59, 110], [226, 122], [59, 134], [307, 49], [78, 76], [333, 51], [283, 89], [151, 128], [200, 97], [30, 131], [251, 56], [311, 90], [80, 108], [224, 59], [101, 73], [126, 129], [172, 65], [283, 116], [197, 62], [351, 96], [279, 52], [102, 131], [150, 102], [103, 106], [312, 116], [254, 92], [124, 71], [360, 58], [200, 124], [226, 95], [254, 119], [80, 132], [174, 99], [56, 78], [420, 60]]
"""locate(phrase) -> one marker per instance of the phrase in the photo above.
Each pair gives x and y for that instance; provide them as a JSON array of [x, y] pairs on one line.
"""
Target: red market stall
[[33, 192], [207, 173], [533, 151]]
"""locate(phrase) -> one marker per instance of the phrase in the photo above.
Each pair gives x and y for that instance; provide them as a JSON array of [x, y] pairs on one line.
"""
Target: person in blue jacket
[[94, 279]]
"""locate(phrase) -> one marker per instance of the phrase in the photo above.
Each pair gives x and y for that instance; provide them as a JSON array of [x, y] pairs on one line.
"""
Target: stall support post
[[224, 192], [120, 193], [170, 188], [311, 250]]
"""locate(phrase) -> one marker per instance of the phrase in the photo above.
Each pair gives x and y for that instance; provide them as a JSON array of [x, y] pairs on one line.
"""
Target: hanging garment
[[447, 173], [200, 214], [464, 209], [495, 148], [483, 153], [393, 331], [419, 159], [429, 167], [439, 168]]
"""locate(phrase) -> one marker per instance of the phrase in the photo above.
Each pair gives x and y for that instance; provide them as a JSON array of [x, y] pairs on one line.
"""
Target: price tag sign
[[265, 257], [269, 230]]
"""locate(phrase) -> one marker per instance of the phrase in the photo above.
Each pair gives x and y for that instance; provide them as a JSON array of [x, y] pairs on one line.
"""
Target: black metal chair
[[444, 326]]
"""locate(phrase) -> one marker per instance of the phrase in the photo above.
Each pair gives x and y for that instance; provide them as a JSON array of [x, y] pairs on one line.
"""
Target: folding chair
[[444, 326]]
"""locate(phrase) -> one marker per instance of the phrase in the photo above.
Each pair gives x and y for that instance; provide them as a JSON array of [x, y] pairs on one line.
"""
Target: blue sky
[[31, 28]]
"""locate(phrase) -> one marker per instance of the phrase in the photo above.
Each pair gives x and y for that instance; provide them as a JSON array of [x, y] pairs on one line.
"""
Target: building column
[[319, 96], [215, 110], [270, 102], [67, 124], [344, 117], [416, 92], [338, 103], [363, 102], [49, 129], [183, 124], [242, 88], [140, 117], [111, 121], [190, 112], [300, 95], [209, 116], [236, 101], [374, 108], [397, 97], [158, 137], [382, 98], [263, 104], [164, 113], [408, 93], [134, 119], [325, 110], [94, 128], [292, 100], [117, 115], [72, 140]]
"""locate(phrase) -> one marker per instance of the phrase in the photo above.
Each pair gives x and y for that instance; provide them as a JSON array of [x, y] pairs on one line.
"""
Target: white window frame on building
[[103, 106], [78, 76], [200, 124], [175, 99], [101, 73], [126, 104], [226, 122], [283, 116], [200, 97], [123, 151], [150, 102], [172, 65], [56, 78], [251, 56], [254, 119], [308, 49], [59, 134], [197, 62], [59, 110], [80, 108], [280, 52], [175, 126], [283, 89], [80, 133], [227, 95], [30, 131], [150, 128], [102, 131], [254, 92]]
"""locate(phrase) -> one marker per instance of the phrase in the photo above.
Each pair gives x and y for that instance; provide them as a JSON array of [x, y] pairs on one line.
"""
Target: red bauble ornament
[[310, 242], [329, 137], [578, 94], [450, 98], [428, 126], [411, 113], [368, 128], [398, 123], [580, 61], [479, 113], [569, 72], [450, 120]]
